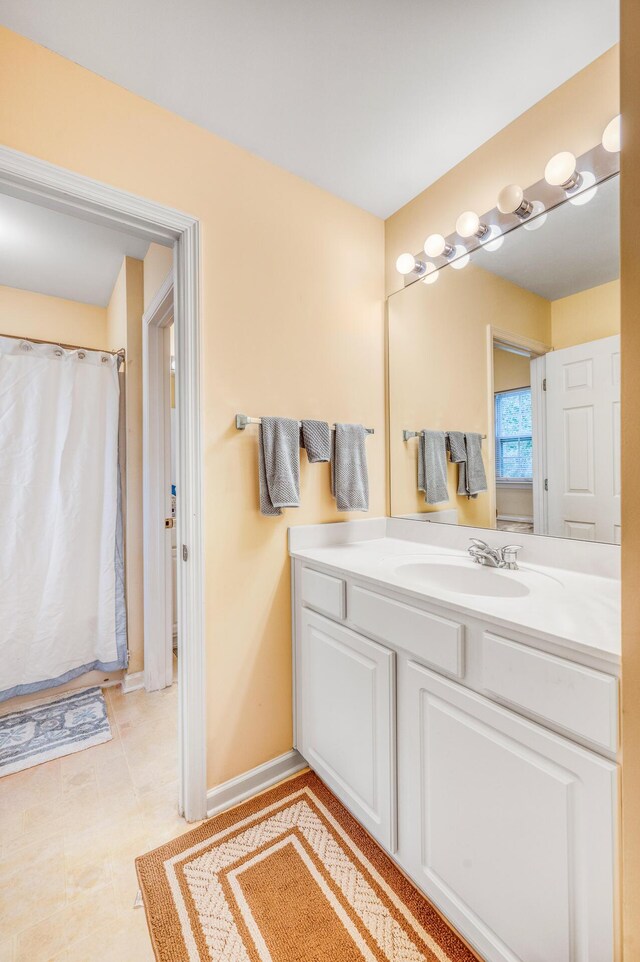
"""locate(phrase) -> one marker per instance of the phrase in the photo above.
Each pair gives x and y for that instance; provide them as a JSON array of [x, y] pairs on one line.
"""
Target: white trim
[[156, 497], [132, 682], [524, 519], [517, 483], [50, 186], [539, 431], [253, 782]]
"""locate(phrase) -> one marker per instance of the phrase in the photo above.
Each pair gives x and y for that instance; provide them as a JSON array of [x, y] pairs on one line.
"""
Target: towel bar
[[242, 421], [407, 435]]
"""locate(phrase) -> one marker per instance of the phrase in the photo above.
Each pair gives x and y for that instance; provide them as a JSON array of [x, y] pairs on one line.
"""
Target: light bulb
[[611, 136], [511, 200], [494, 239], [435, 245], [468, 225], [461, 256], [405, 264], [431, 273], [584, 195], [538, 218], [561, 171]]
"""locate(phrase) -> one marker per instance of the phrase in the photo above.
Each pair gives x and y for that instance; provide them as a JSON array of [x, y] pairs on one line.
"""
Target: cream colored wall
[[630, 448], [586, 316], [158, 261], [25, 314], [302, 335], [124, 330], [438, 373], [572, 117], [512, 371]]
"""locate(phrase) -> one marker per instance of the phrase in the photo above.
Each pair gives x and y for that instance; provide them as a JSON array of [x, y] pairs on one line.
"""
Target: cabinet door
[[510, 827], [348, 720]]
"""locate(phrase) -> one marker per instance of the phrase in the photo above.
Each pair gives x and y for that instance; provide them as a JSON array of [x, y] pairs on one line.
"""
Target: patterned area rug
[[288, 876], [59, 726]]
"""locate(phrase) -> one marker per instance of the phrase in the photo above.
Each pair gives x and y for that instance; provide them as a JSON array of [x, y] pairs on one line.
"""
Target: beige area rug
[[288, 876]]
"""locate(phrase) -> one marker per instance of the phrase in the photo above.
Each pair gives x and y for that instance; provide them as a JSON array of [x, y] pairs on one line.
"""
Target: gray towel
[[315, 437], [458, 455], [432, 466], [279, 465], [476, 478], [349, 476]]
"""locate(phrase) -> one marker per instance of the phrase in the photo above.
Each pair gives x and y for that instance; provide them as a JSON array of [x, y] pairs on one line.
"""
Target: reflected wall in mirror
[[522, 346]]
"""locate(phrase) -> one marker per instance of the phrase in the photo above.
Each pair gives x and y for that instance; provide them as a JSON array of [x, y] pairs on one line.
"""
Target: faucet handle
[[478, 544], [510, 556]]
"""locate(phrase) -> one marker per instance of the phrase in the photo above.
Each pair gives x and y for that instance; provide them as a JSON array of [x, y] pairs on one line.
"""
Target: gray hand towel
[[349, 476], [476, 478], [278, 465], [458, 455], [432, 466], [315, 438]]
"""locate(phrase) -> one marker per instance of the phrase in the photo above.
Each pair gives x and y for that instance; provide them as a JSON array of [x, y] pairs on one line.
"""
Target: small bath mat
[[288, 876], [58, 727]]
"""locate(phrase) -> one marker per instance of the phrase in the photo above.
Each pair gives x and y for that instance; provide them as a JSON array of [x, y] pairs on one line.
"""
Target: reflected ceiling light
[[561, 171], [407, 264], [431, 273], [537, 213], [468, 225], [435, 245], [585, 195], [461, 256], [511, 200], [494, 239], [611, 136]]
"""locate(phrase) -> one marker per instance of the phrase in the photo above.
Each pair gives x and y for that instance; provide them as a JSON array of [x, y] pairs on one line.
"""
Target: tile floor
[[525, 527], [69, 832]]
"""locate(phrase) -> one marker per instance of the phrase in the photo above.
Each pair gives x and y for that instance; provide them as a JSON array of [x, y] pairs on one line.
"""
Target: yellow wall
[[586, 316], [25, 314], [630, 447], [572, 117], [124, 330], [158, 261], [300, 334], [438, 372]]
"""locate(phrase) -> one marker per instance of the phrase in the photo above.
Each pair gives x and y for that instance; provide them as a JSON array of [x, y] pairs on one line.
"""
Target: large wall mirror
[[521, 347]]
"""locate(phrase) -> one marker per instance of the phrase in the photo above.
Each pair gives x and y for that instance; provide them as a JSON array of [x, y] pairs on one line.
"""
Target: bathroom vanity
[[468, 718]]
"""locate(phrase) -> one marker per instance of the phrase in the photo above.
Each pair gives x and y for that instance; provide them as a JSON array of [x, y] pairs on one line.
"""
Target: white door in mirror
[[583, 441]]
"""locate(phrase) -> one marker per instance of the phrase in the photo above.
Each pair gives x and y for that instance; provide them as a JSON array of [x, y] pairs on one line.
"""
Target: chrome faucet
[[506, 557]]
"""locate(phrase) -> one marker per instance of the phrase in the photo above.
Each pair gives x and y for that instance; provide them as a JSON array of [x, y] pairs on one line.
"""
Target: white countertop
[[567, 608]]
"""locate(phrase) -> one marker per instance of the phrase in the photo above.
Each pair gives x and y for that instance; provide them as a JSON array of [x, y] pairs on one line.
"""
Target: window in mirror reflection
[[514, 446]]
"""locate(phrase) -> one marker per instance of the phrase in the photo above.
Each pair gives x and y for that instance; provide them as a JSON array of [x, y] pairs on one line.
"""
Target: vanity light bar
[[242, 421]]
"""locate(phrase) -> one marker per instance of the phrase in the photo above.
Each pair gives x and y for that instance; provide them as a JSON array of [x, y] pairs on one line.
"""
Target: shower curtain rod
[[68, 347]]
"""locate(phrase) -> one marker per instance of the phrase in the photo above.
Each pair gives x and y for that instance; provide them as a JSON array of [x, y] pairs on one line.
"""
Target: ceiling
[[371, 99], [577, 248], [48, 252]]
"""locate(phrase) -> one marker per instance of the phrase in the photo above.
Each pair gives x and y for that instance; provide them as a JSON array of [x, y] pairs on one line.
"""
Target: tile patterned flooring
[[70, 830]]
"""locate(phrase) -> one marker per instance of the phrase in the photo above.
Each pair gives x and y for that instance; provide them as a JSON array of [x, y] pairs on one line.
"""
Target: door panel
[[513, 828], [348, 720]]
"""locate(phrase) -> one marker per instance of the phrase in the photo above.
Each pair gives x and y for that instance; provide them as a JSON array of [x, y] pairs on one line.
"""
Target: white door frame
[[47, 185], [156, 497]]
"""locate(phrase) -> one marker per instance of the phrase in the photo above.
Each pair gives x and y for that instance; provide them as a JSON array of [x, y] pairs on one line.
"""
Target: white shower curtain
[[61, 584]]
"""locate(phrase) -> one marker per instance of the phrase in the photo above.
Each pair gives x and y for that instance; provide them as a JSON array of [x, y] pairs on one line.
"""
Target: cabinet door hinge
[[546, 484], [185, 553], [544, 384]]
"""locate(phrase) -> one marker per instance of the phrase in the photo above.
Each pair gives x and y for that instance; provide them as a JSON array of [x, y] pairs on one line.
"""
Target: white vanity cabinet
[[484, 765]]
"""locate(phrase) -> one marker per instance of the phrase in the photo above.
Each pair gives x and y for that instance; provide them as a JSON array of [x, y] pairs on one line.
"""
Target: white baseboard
[[132, 682], [253, 782]]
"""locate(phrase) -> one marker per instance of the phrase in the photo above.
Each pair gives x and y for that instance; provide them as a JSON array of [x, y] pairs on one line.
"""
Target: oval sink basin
[[466, 578]]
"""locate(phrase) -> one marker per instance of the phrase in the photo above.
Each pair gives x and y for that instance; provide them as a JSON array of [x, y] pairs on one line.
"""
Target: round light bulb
[[434, 245], [510, 198], [461, 258], [585, 195], [468, 224], [611, 136], [431, 273], [561, 169], [405, 264], [538, 218], [494, 239]]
